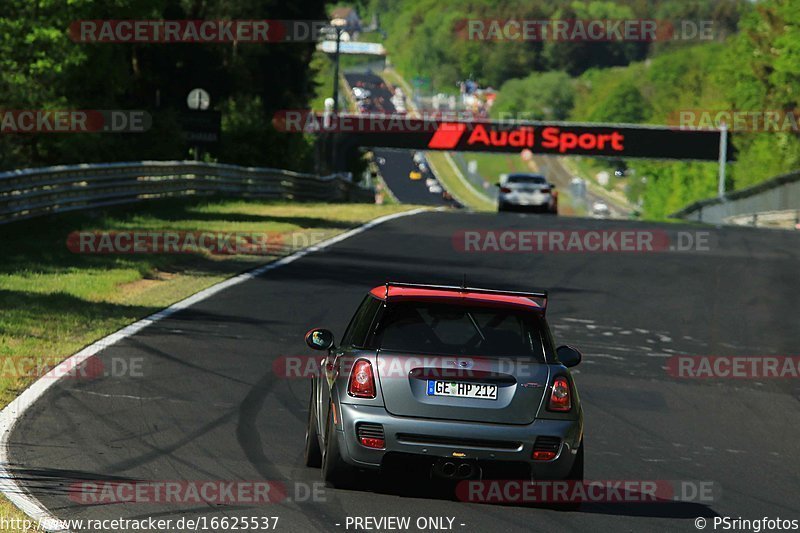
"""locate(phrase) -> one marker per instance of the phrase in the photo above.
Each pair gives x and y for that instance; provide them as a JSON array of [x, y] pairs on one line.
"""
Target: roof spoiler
[[539, 297]]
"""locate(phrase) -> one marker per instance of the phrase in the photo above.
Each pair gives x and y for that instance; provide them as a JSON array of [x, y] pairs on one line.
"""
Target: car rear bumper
[[549, 206], [468, 441], [526, 201]]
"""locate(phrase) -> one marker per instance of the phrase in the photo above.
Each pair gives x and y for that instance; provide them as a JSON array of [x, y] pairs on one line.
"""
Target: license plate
[[460, 389], [531, 199]]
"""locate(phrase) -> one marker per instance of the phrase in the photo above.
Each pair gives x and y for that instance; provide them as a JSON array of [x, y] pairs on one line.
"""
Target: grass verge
[[588, 169], [491, 166], [55, 301], [455, 184], [391, 76]]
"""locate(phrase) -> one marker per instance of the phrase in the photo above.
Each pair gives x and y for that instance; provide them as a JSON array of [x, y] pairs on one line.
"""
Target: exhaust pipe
[[448, 469], [464, 470]]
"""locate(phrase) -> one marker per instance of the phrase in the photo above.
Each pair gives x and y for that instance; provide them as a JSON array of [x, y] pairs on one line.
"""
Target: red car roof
[[534, 302]]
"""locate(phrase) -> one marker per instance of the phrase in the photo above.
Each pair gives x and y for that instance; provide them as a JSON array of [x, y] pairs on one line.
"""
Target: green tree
[[624, 104], [540, 96], [42, 68], [576, 56]]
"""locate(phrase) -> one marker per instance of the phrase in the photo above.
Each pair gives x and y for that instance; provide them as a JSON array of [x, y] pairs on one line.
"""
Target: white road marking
[[13, 411], [608, 356]]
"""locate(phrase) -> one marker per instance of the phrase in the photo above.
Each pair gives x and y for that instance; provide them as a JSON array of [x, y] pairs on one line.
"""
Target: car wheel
[[501, 208], [313, 453], [335, 472]]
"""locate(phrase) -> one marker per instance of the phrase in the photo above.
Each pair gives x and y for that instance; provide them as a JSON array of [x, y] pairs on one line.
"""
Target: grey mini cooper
[[462, 383]]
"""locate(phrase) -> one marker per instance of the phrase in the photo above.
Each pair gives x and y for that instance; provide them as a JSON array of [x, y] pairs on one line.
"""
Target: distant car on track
[[361, 93], [527, 191], [600, 210], [462, 383]]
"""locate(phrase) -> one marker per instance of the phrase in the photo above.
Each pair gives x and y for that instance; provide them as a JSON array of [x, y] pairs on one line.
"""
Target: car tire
[[313, 453], [501, 208], [335, 472]]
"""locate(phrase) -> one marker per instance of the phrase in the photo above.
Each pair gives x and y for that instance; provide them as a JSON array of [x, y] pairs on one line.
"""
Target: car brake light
[[559, 395], [505, 190], [545, 191], [362, 381], [540, 455], [373, 443]]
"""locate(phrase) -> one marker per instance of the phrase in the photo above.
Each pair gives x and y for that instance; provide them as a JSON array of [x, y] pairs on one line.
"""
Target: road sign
[[201, 127], [198, 99], [556, 138]]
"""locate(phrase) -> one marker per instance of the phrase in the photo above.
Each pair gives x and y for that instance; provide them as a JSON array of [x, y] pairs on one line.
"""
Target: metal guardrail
[[780, 194], [35, 192], [789, 218]]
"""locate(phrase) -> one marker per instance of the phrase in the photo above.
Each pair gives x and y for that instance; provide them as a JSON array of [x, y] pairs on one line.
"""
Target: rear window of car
[[438, 328], [357, 331], [526, 179]]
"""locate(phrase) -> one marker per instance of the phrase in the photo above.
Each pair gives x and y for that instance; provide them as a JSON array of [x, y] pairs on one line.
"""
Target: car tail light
[[560, 396], [505, 190], [546, 191], [362, 381]]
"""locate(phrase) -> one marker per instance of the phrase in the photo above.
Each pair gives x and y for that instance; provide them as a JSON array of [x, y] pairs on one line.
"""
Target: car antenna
[[464, 282]]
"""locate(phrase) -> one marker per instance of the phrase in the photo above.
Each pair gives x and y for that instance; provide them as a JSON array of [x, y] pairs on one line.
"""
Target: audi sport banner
[[558, 138]]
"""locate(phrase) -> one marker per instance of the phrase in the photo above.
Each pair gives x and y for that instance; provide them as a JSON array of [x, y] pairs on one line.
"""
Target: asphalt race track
[[395, 166], [380, 100], [207, 404]]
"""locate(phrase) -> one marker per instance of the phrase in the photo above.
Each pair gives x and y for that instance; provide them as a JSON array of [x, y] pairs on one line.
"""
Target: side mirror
[[319, 339], [568, 356]]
